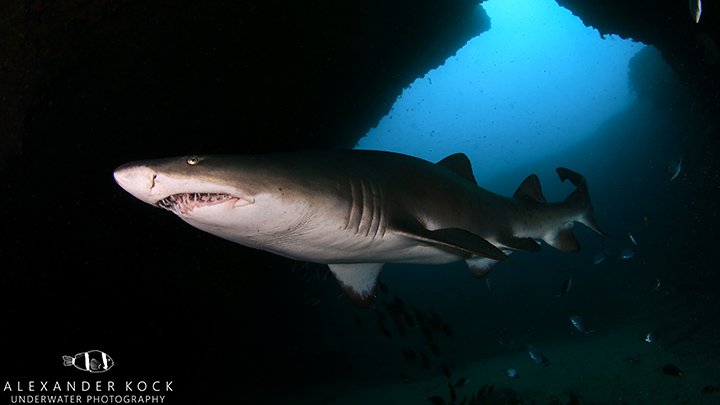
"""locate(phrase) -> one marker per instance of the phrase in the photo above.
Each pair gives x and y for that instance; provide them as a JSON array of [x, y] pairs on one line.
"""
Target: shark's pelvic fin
[[480, 266], [563, 239], [530, 190], [456, 240], [580, 198], [358, 280], [460, 164]]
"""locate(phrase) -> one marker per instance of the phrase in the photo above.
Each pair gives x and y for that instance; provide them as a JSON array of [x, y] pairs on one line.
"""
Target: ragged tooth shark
[[356, 210]]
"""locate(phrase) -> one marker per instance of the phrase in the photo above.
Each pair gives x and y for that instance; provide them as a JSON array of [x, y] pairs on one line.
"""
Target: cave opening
[[537, 83]]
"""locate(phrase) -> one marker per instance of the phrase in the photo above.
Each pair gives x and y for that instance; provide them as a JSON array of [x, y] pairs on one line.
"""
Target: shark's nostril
[[152, 182]]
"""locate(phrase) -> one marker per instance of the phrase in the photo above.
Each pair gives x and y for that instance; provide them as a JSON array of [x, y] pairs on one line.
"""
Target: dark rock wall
[[149, 78], [246, 76], [692, 50]]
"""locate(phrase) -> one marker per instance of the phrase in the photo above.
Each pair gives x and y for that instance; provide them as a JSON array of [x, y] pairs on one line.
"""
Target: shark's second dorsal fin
[[459, 241], [460, 164], [530, 190], [358, 280]]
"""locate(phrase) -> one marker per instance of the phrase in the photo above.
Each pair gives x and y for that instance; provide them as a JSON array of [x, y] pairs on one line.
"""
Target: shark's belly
[[389, 249], [330, 241]]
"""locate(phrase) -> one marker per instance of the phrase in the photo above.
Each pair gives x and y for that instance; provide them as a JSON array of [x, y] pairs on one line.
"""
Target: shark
[[356, 210]]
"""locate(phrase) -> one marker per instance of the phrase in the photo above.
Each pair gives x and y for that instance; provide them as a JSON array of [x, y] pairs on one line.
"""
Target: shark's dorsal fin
[[459, 241], [358, 280], [530, 190], [460, 164]]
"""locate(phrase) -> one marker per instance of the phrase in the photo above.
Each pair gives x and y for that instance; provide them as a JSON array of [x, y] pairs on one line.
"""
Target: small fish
[[649, 338], [358, 322], [675, 167], [600, 257], [399, 325], [657, 284], [382, 287], [425, 360], [434, 348], [512, 373], [632, 239], [446, 371], [483, 395], [409, 355], [436, 400], [384, 329], [312, 301], [427, 332], [565, 287], [536, 356], [93, 361], [579, 323], [627, 254], [419, 316], [438, 324], [695, 10], [672, 370], [461, 382], [488, 283], [408, 319], [453, 394], [448, 329], [709, 389], [398, 304]]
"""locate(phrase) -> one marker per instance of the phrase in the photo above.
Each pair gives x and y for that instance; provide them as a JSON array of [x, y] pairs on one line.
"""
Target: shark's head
[[245, 199], [184, 185]]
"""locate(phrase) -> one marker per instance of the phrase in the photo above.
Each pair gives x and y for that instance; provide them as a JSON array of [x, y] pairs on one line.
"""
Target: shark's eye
[[193, 160]]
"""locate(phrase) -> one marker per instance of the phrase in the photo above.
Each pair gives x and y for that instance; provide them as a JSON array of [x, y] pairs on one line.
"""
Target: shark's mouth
[[185, 202]]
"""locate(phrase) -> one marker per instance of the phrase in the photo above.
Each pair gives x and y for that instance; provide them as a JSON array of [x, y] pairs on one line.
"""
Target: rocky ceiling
[[690, 48], [142, 78], [138, 79]]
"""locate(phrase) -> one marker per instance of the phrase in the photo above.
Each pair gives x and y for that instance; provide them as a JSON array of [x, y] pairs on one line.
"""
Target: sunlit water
[[533, 85]]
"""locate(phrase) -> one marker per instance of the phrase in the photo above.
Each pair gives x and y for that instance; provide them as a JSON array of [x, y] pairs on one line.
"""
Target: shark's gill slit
[[353, 205]]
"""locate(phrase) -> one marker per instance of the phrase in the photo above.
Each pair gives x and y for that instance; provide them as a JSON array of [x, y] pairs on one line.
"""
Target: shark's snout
[[137, 180]]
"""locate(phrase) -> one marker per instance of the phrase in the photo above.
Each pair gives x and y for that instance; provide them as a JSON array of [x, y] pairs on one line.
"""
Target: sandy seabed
[[605, 367]]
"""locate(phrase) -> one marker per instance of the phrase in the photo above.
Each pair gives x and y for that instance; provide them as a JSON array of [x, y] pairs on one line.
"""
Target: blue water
[[537, 91], [534, 85]]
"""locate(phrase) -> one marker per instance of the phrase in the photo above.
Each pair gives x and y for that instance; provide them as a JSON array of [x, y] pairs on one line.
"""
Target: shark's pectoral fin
[[358, 280], [515, 243], [563, 239], [456, 240]]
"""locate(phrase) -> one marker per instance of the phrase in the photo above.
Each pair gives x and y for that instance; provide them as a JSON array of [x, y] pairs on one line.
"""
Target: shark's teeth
[[186, 202]]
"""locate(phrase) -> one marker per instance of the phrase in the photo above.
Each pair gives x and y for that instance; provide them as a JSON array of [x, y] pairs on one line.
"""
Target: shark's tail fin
[[580, 199]]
